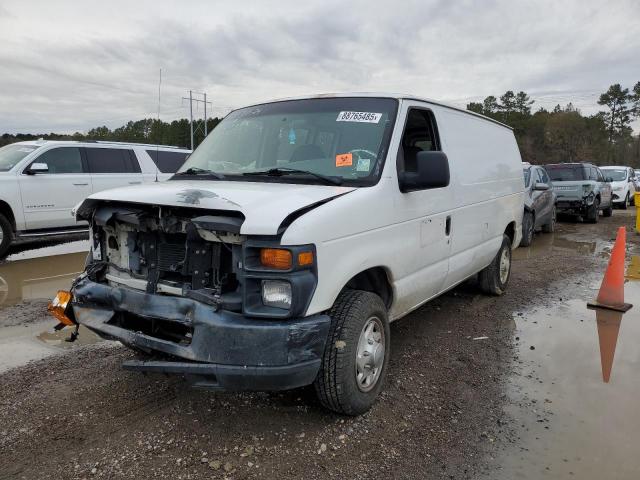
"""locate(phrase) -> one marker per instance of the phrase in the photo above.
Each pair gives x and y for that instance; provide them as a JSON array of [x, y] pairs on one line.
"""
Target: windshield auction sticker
[[344, 160], [363, 117]]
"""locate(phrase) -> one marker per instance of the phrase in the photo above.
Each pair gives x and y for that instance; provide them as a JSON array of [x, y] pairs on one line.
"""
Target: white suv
[[41, 181]]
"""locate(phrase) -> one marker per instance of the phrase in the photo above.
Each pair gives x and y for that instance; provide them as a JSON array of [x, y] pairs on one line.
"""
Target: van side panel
[[488, 188]]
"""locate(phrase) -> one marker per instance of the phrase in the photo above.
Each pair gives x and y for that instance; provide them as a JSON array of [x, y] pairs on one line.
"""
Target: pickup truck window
[[345, 139], [10, 155], [62, 160]]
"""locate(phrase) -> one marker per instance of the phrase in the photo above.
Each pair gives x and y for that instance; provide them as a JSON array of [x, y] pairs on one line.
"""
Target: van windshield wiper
[[280, 171], [201, 171]]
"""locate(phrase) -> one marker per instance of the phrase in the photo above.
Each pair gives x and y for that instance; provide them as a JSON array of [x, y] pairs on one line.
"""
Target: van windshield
[[566, 173], [343, 140], [10, 155]]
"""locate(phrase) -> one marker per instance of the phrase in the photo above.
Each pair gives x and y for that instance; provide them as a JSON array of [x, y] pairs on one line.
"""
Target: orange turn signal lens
[[305, 258], [276, 258], [58, 306]]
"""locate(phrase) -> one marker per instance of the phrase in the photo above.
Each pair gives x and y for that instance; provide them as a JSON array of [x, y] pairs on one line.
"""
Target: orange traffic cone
[[608, 327], [611, 294]]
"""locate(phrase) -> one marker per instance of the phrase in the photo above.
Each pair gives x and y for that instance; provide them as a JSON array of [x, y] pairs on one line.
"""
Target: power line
[[198, 122]]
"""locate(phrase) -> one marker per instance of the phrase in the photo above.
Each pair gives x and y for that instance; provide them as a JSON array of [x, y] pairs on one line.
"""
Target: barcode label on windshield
[[364, 117]]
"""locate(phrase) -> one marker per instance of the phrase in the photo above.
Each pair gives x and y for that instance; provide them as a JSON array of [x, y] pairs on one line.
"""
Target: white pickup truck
[[41, 181], [294, 234]]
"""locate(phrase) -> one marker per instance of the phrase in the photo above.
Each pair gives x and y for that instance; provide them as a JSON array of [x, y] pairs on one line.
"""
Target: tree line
[[176, 133], [563, 134]]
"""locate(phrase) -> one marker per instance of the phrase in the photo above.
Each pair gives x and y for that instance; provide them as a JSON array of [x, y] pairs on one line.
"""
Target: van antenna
[[159, 124]]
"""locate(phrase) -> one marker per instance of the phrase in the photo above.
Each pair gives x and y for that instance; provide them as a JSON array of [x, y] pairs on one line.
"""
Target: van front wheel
[[356, 355], [494, 278]]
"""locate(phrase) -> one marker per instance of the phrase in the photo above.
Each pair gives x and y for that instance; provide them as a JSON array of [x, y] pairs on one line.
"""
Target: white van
[[282, 249], [41, 181]]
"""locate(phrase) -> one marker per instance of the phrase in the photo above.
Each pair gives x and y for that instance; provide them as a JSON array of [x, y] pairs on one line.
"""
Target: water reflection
[[544, 244], [608, 322], [38, 278]]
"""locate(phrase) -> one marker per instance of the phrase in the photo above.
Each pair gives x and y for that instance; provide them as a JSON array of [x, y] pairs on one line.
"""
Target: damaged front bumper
[[213, 349]]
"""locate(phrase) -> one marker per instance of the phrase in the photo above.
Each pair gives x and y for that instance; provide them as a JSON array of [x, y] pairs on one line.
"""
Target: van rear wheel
[[494, 278], [6, 235], [356, 355]]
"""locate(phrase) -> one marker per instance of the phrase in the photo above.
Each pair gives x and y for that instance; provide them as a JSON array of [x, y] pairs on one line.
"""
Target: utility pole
[[198, 126]]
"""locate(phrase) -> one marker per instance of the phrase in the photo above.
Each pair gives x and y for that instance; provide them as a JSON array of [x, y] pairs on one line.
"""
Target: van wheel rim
[[505, 265], [370, 354]]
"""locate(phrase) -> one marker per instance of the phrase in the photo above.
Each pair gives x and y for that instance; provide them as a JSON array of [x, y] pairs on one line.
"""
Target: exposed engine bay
[[171, 251]]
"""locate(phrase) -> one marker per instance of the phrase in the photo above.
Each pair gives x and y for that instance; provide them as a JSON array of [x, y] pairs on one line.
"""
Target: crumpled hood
[[264, 205]]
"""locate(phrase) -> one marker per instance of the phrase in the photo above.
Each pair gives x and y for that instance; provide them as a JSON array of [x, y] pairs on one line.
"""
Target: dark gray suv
[[539, 203]]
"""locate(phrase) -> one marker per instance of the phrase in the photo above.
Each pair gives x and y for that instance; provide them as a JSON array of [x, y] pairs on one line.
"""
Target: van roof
[[397, 96], [41, 142]]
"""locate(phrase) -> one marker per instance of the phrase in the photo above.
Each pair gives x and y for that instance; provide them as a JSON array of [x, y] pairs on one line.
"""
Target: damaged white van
[[280, 252]]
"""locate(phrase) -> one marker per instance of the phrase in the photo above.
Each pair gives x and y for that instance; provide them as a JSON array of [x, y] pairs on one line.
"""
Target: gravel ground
[[78, 415]]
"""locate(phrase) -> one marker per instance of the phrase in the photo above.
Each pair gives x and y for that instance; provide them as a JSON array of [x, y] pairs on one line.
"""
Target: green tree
[[618, 117]]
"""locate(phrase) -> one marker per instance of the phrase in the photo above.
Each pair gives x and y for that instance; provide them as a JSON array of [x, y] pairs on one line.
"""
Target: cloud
[[66, 69]]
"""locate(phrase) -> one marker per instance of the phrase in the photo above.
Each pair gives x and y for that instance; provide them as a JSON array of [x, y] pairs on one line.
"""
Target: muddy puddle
[[545, 243], [20, 344], [39, 277], [576, 389]]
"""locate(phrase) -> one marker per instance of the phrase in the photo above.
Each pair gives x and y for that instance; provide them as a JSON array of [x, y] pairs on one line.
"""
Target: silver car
[[539, 203]]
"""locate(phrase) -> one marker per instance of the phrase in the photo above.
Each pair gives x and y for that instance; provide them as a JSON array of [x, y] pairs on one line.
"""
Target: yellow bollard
[[636, 202]]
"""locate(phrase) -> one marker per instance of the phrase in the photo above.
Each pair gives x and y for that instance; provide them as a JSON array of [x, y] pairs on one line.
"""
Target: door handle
[[80, 184], [447, 226]]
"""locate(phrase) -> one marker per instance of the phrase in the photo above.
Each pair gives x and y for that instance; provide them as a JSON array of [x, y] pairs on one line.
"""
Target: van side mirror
[[432, 172], [37, 168]]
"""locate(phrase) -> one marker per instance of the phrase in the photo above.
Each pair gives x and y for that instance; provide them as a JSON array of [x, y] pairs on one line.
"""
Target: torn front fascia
[[187, 253]]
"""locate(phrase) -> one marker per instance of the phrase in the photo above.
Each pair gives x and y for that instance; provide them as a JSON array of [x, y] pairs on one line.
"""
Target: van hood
[[264, 205]]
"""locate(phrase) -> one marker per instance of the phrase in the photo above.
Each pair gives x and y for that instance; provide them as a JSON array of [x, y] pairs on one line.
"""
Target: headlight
[[276, 293]]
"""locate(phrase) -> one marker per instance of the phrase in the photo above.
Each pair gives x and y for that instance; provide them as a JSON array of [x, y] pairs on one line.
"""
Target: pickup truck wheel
[[355, 359], [527, 229], [625, 204], [550, 227], [6, 235], [593, 212], [494, 278]]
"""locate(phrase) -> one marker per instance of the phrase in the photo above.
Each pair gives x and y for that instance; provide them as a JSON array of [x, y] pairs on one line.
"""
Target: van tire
[[490, 279], [593, 212], [527, 229], [6, 231], [336, 385]]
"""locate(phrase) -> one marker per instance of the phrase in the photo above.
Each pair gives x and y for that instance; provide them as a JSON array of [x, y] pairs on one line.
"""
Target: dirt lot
[[442, 415]]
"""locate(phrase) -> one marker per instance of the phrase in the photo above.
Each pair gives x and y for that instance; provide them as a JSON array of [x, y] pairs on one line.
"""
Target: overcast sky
[[70, 66]]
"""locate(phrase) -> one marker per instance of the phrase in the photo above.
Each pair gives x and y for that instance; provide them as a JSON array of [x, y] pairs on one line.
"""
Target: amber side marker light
[[305, 258], [276, 258], [58, 306]]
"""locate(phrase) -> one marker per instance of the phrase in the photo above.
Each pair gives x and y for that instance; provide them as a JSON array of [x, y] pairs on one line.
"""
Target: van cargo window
[[419, 136]]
